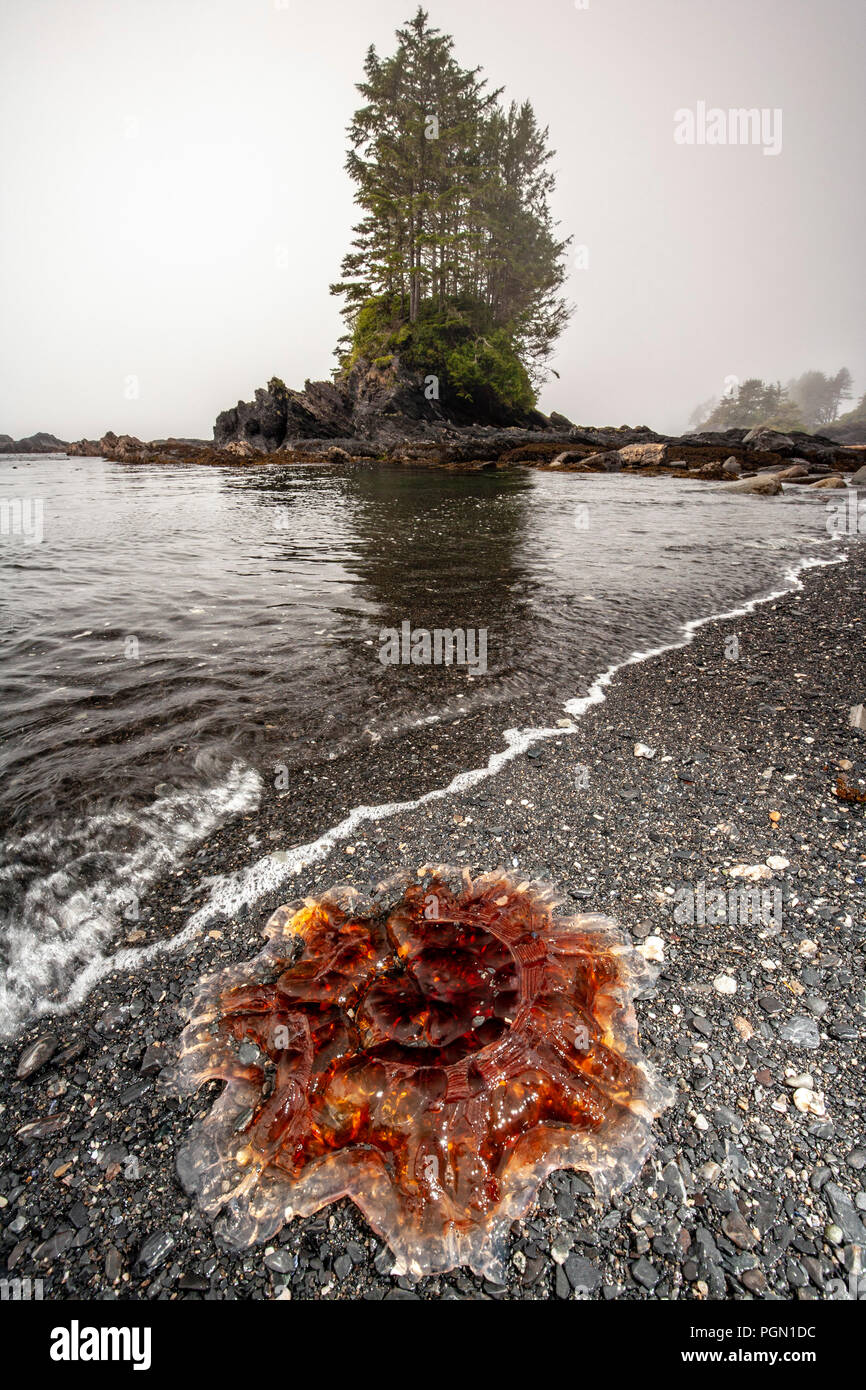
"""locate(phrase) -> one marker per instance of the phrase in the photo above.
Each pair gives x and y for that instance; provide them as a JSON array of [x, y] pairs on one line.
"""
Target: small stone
[[844, 1214], [653, 949], [282, 1261], [42, 1129], [55, 1245], [644, 1273], [725, 984], [36, 1055], [754, 1280], [801, 1031], [752, 872], [810, 1102], [737, 1229], [844, 1032], [155, 1250], [583, 1277], [673, 1179], [152, 1061], [560, 1250], [744, 1028], [771, 1003]]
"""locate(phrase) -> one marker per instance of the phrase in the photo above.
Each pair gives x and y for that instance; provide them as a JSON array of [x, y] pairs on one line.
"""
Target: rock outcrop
[[40, 443], [381, 401], [380, 412]]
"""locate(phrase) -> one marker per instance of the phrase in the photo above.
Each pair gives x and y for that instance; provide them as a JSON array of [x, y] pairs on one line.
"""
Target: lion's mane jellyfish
[[433, 1052]]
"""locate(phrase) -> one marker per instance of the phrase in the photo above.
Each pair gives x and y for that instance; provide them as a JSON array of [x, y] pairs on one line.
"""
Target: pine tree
[[457, 232]]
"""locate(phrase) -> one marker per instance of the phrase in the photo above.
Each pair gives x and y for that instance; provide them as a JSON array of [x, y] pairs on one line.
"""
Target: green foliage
[[808, 403], [754, 403], [459, 343], [457, 237]]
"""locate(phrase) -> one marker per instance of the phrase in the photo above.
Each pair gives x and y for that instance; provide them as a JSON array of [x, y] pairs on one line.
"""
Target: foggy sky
[[175, 203]]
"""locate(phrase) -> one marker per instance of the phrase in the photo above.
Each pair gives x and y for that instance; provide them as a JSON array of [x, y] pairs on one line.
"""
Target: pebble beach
[[706, 771]]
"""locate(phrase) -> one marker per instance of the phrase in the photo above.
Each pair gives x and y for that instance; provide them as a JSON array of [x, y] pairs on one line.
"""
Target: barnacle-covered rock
[[433, 1052]]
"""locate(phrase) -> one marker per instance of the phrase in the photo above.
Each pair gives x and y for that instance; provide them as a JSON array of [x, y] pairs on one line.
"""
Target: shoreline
[[555, 443], [128, 1025]]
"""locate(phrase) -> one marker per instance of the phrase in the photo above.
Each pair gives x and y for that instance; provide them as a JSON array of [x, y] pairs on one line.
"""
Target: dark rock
[[644, 1273], [42, 1129], [737, 1229], [771, 1003], [582, 1275], [801, 1031], [155, 1250], [845, 1214], [55, 1245], [40, 443], [36, 1055]]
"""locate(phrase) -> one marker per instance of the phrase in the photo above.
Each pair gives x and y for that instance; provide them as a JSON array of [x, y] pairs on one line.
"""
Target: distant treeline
[[809, 402]]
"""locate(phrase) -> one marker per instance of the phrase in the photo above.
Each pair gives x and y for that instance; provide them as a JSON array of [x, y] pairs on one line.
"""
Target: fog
[[175, 203]]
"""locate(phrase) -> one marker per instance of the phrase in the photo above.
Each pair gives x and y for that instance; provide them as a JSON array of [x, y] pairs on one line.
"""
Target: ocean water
[[175, 641]]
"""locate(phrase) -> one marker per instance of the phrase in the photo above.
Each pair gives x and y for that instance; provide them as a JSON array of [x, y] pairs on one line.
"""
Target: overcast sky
[[175, 203]]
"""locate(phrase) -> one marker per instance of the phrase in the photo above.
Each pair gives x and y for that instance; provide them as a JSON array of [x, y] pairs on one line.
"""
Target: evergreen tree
[[755, 402], [456, 251]]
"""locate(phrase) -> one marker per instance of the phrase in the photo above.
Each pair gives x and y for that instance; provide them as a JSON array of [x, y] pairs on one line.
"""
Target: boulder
[[765, 485], [833, 481], [859, 478], [793, 472], [767, 441], [732, 466], [607, 462], [643, 455]]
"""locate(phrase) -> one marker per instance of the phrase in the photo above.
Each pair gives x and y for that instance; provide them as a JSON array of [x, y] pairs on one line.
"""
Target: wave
[[75, 888]]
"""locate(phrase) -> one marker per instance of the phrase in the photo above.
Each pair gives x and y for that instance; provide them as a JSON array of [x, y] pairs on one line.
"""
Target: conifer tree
[[456, 228]]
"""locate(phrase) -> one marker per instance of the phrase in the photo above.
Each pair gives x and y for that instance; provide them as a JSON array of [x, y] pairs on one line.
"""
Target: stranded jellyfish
[[433, 1052]]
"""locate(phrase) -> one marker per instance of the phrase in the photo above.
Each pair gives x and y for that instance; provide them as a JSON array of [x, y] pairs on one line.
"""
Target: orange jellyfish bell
[[433, 1052]]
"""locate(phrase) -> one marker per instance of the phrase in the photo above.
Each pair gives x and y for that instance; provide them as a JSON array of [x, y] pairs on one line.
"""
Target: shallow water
[[181, 637]]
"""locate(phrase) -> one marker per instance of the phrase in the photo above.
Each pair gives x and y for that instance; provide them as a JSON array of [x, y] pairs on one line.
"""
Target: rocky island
[[381, 414]]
